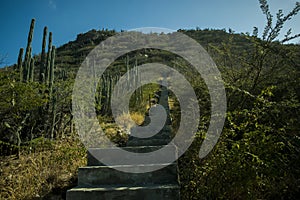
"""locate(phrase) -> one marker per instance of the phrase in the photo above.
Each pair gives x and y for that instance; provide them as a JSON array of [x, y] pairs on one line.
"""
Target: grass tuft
[[38, 174]]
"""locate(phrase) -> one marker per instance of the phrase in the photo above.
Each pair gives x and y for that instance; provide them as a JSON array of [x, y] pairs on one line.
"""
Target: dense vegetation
[[257, 155]]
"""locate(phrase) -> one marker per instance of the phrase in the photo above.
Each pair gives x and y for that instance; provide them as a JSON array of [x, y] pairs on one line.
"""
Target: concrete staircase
[[98, 181]]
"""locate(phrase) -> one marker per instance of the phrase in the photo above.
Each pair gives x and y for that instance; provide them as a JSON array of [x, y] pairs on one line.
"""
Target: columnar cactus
[[64, 75], [28, 50], [127, 69], [141, 88], [47, 73], [20, 66], [99, 94], [54, 105], [108, 92], [136, 81], [52, 99], [43, 56], [27, 65], [51, 71], [31, 70]]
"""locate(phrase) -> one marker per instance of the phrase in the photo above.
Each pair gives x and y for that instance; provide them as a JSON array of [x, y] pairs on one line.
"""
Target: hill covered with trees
[[257, 155]]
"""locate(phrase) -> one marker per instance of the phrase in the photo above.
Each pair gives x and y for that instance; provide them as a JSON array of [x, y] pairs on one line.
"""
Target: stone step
[[154, 192], [103, 175], [165, 133], [96, 155], [148, 142], [161, 135]]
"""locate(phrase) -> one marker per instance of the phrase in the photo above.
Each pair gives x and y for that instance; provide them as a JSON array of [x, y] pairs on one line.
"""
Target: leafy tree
[[258, 153]]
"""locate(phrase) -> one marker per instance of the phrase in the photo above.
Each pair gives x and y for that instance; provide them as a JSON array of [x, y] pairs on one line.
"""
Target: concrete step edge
[[120, 188]]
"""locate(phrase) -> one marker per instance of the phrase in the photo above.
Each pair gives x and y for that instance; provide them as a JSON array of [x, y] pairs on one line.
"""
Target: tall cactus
[[63, 75], [53, 115], [28, 50], [31, 70], [27, 65], [141, 88], [47, 73], [51, 71], [136, 81], [20, 66], [98, 95], [43, 56], [127, 69], [50, 108]]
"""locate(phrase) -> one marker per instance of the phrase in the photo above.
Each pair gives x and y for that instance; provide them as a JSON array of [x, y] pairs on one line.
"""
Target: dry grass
[[114, 133], [137, 118], [35, 175], [126, 122], [52, 168]]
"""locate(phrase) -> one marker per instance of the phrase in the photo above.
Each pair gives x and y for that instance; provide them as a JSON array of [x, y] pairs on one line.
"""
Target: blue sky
[[67, 18]]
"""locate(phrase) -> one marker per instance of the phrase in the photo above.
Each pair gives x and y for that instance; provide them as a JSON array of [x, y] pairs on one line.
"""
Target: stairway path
[[98, 181]]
